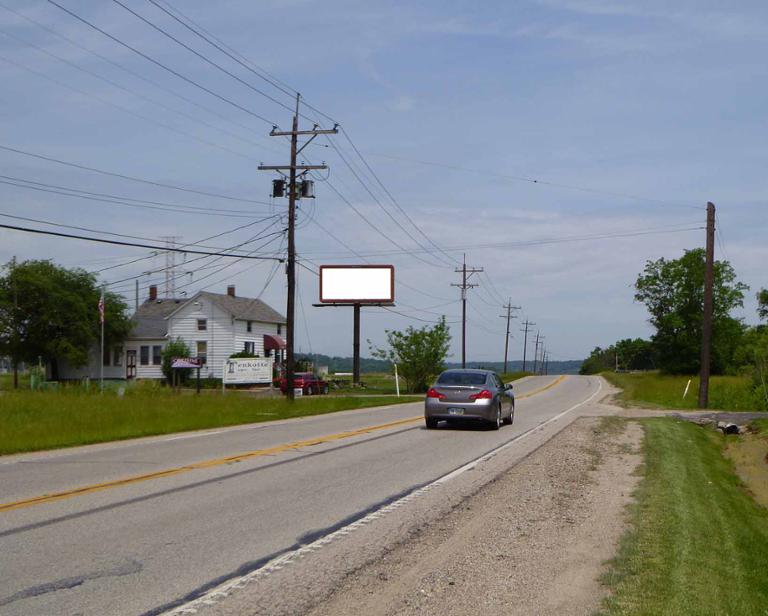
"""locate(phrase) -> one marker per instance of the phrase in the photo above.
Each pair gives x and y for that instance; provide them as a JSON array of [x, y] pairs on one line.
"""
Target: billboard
[[248, 370], [357, 284]]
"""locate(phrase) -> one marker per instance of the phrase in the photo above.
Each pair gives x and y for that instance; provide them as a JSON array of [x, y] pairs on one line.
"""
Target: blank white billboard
[[363, 284]]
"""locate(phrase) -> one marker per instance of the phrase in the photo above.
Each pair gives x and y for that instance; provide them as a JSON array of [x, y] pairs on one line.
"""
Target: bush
[[175, 348]]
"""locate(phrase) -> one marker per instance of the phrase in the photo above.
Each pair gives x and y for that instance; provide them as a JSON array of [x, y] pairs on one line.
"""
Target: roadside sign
[[248, 370], [186, 362]]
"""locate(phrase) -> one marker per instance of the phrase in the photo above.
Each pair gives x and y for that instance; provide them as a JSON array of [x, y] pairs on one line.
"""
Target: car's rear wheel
[[496, 424], [325, 389], [508, 420], [431, 423]]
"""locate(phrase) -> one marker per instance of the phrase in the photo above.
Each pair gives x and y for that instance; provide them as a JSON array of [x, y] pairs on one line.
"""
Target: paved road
[[204, 507]]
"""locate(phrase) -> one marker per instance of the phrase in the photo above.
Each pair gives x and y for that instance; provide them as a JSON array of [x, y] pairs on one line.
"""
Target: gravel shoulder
[[532, 541]]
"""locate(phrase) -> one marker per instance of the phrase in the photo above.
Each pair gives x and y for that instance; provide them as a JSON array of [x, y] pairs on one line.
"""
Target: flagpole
[[101, 357]]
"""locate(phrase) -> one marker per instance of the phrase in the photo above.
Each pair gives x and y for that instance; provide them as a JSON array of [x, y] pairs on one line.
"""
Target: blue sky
[[625, 99]]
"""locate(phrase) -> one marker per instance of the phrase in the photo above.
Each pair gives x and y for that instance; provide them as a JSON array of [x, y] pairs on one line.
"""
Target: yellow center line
[[258, 453], [558, 380]]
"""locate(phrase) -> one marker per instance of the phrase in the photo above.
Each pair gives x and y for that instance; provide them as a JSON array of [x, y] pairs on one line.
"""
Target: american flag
[[101, 307]]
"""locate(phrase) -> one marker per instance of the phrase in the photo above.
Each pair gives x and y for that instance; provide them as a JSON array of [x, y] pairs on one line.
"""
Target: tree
[[418, 353], [627, 354], [175, 348], [673, 293], [51, 312], [762, 304]]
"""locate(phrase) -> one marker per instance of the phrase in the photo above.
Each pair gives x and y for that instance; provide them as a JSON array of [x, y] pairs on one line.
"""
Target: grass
[[727, 393], [31, 421], [749, 454], [698, 543]]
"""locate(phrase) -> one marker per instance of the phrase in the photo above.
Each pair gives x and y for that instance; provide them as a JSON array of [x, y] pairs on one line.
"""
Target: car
[[476, 395], [307, 382]]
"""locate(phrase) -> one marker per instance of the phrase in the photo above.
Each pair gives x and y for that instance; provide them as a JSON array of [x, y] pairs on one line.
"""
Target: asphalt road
[[201, 508]]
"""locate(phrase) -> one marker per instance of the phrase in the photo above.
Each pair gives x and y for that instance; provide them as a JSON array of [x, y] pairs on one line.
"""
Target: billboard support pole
[[356, 347]]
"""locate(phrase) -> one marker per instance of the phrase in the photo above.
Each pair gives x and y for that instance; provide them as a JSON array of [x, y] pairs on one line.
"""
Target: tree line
[[673, 292]]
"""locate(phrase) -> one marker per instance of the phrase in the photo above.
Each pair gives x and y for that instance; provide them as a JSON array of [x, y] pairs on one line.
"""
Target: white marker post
[[397, 382]]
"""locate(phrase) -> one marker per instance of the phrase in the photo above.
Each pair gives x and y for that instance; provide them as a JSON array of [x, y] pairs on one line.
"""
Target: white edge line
[[225, 589]]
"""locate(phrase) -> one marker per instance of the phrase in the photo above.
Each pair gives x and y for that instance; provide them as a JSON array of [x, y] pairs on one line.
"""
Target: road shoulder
[[514, 536]]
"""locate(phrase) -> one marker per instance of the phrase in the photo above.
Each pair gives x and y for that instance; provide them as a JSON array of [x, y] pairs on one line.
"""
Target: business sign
[[248, 370], [357, 284], [186, 362]]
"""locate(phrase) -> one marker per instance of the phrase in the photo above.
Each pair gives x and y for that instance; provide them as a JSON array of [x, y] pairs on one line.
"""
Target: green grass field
[[728, 393], [699, 543], [31, 421]]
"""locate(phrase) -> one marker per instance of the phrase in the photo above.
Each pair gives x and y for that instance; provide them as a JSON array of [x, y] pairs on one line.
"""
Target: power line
[[134, 93], [197, 53], [129, 177], [241, 59], [118, 202], [130, 112], [198, 31], [161, 65], [122, 198], [140, 76], [132, 244], [532, 180]]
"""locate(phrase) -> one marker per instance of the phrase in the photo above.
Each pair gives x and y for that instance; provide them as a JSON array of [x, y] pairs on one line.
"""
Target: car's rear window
[[461, 378]]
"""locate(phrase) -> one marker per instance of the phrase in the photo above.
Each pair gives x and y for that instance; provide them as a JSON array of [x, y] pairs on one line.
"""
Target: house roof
[[149, 321], [244, 308]]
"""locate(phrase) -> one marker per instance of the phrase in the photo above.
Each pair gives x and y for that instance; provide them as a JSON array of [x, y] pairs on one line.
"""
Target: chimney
[[231, 290], [152, 293]]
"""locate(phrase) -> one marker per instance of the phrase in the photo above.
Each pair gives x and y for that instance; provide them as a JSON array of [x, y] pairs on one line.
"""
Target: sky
[[559, 144]]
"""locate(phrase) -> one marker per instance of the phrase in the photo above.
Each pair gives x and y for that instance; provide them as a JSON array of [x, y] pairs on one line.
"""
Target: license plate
[[455, 411]]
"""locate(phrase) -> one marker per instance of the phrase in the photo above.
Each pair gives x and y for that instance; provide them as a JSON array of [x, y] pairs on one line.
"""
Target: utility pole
[[706, 332], [546, 362], [278, 190], [539, 341], [527, 325], [465, 274], [509, 316]]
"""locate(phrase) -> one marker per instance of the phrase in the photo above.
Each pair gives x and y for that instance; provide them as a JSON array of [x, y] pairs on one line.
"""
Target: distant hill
[[369, 364]]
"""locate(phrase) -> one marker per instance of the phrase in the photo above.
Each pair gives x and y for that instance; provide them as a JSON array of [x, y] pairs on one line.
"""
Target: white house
[[213, 325]]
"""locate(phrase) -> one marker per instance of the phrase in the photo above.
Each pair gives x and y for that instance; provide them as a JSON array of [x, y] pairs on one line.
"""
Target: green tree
[[175, 348], [418, 353], [762, 304], [51, 312], [673, 293], [627, 354]]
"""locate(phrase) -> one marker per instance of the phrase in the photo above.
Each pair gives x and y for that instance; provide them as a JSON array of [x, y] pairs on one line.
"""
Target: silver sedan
[[469, 395]]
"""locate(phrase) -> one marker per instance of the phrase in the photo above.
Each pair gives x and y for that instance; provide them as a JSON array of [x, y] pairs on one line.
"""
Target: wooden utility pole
[[356, 346], [539, 341], [293, 195], [509, 316], [465, 274], [706, 331], [527, 325]]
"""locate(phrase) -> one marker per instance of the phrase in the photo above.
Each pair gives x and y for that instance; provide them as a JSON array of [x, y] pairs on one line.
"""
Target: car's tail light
[[483, 395], [433, 393]]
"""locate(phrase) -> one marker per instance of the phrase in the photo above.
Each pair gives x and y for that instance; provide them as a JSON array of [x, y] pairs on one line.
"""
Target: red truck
[[307, 382]]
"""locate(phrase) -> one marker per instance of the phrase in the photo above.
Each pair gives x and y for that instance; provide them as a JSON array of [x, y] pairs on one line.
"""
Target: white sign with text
[[248, 370]]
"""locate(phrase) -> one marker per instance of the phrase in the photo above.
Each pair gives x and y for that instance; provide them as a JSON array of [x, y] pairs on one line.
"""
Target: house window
[[250, 347], [157, 355], [202, 350], [105, 358], [279, 329], [117, 356], [202, 325], [144, 356], [249, 326]]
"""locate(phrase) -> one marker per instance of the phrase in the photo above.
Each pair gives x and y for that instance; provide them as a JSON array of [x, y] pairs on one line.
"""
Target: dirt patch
[[532, 542], [749, 454]]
